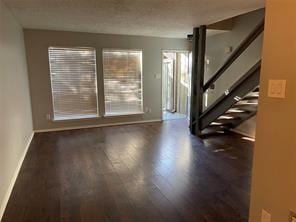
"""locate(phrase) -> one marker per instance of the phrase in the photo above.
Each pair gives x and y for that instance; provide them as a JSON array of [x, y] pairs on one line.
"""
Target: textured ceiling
[[163, 18]]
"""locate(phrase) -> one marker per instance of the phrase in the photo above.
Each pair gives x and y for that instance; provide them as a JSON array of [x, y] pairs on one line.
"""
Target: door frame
[[173, 92]]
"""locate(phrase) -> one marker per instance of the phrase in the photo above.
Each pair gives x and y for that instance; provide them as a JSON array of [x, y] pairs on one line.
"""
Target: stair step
[[252, 95], [235, 110], [221, 125], [216, 124], [238, 115], [227, 117], [228, 123], [245, 108], [252, 98], [247, 103]]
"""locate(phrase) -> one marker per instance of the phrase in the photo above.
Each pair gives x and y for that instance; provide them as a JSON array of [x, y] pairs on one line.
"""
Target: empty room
[[147, 111]]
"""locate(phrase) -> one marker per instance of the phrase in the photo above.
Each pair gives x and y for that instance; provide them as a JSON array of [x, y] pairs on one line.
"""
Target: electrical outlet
[[265, 216], [292, 217], [48, 116]]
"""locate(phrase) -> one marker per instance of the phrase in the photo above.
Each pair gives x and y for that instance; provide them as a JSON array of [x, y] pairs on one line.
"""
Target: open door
[[175, 84]]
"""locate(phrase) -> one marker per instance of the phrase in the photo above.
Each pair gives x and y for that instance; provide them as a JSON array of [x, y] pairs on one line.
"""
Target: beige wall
[[215, 52], [15, 108], [274, 172], [37, 43]]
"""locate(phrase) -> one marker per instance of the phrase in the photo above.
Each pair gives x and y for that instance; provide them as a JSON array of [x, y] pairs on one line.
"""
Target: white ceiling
[[163, 18]]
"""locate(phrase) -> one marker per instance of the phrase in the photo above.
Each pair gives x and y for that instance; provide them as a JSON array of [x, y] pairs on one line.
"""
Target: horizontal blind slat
[[122, 81], [73, 82]]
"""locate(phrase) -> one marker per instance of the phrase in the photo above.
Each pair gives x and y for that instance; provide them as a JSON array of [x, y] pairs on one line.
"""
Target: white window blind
[[73, 83], [122, 82]]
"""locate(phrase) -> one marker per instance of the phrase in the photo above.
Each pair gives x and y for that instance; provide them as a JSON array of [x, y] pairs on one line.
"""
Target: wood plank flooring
[[154, 172]]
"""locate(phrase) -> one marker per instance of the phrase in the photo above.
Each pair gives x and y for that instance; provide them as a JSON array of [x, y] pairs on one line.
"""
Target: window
[[122, 82], [73, 83]]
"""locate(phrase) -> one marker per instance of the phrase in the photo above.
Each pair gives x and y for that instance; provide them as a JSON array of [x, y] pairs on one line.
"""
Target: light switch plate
[[157, 76], [265, 216], [277, 88]]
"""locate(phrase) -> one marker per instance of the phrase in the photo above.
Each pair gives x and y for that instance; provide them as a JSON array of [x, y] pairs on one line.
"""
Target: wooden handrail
[[236, 53]]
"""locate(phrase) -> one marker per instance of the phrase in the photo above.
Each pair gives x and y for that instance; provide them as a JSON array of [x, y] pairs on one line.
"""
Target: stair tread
[[252, 95], [249, 100], [246, 108], [235, 110], [228, 117], [245, 103], [221, 124], [219, 127], [237, 115], [225, 121], [240, 105]]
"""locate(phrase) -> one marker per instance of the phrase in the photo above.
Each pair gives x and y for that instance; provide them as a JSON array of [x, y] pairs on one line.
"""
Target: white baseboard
[[13, 179], [243, 133], [97, 126]]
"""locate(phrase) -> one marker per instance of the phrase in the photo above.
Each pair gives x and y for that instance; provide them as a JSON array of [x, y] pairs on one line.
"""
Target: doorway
[[176, 69]]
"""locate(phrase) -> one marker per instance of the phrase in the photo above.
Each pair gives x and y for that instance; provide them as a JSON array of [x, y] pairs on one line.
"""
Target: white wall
[[215, 52], [15, 109]]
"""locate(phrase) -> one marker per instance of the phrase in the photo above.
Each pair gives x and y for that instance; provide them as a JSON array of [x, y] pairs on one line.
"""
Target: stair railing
[[197, 84]]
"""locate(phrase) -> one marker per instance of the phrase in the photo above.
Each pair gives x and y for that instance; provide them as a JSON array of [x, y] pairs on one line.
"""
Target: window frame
[[142, 85], [98, 115]]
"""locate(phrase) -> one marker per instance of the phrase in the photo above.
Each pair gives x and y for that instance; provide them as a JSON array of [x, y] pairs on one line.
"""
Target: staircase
[[237, 104]]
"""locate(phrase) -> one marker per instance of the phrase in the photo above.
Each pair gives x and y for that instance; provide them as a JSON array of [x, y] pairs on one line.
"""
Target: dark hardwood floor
[[145, 173]]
